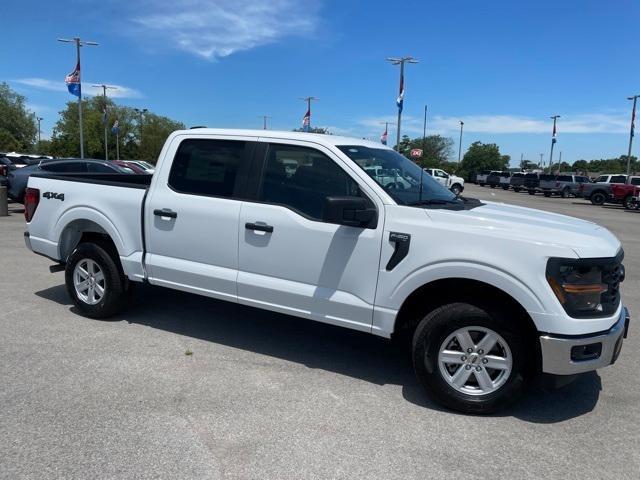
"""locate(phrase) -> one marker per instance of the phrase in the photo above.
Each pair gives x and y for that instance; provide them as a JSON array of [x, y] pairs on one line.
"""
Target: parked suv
[[600, 192], [564, 185], [531, 183], [481, 178], [517, 181]]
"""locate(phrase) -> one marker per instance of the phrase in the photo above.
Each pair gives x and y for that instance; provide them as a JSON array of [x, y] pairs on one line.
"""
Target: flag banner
[[306, 120], [116, 128], [73, 81], [104, 116], [400, 99], [384, 136]]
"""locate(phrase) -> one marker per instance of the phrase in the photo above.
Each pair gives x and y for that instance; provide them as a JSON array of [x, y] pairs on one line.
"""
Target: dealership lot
[[188, 387]]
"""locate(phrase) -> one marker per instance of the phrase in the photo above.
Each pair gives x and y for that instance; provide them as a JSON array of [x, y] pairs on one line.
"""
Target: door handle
[[260, 227], [165, 212]]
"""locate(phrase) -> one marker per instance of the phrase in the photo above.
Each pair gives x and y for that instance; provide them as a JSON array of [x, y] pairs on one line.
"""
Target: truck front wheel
[[94, 282], [471, 359]]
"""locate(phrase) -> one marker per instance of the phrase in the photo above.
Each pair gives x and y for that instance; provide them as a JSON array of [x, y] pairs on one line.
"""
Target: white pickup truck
[[490, 294], [452, 182]]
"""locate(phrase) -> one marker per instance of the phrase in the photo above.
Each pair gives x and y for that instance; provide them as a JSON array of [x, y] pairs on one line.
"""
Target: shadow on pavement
[[319, 346]]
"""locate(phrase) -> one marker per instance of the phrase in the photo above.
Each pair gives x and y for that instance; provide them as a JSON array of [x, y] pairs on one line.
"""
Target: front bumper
[[564, 354]]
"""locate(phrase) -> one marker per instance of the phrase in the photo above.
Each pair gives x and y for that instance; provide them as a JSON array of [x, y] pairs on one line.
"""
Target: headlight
[[586, 287]]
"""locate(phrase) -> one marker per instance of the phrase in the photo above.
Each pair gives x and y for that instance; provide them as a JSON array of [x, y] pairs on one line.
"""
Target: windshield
[[399, 176]]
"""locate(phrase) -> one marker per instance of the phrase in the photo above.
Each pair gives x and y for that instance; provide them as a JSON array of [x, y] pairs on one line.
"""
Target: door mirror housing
[[350, 211]]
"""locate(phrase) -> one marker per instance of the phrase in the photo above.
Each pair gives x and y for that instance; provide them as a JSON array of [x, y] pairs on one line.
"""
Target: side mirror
[[350, 211]]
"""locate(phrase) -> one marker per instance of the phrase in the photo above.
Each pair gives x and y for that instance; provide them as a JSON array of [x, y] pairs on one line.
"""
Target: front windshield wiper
[[433, 201]]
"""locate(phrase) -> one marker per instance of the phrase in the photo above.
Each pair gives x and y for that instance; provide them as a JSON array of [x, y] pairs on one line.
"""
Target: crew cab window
[[441, 174], [69, 167], [564, 178], [301, 178], [635, 181], [618, 179], [206, 167]]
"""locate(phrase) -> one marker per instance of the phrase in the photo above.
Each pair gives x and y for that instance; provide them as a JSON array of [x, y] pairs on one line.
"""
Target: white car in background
[[452, 182]]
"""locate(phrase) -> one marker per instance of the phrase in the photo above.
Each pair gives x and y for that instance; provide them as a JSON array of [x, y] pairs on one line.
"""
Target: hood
[[586, 239]]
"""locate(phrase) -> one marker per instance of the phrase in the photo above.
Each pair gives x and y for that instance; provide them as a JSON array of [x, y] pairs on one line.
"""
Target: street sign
[[416, 152]]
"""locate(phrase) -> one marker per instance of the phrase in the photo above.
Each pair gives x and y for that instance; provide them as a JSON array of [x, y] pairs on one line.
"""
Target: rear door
[[292, 261], [192, 212]]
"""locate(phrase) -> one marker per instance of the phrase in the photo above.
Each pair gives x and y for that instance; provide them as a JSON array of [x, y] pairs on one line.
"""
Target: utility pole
[[104, 115], [553, 141], [631, 133], [264, 121], [460, 143], [39, 119], [424, 130], [400, 100], [141, 112], [79, 43], [306, 120]]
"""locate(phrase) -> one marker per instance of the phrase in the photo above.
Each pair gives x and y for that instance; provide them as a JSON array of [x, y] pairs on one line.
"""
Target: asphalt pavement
[[182, 386]]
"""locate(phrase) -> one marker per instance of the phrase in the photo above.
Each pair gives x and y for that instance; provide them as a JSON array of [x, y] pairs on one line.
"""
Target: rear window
[[68, 167], [635, 181], [564, 178], [547, 177], [618, 178]]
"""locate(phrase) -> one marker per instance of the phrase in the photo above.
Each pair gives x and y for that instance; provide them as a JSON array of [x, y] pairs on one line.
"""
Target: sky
[[502, 67]]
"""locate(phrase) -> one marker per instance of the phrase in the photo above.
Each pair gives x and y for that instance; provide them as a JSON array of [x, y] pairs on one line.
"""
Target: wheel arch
[[81, 230], [439, 292]]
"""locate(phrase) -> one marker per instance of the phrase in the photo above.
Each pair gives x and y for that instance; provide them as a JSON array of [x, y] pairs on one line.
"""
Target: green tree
[[139, 139], [18, 128], [483, 156], [436, 150]]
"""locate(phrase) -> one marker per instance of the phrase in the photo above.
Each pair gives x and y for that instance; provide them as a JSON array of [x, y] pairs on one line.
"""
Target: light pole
[[400, 100], [79, 43], [264, 121], [633, 119], [553, 141], [141, 112], [460, 143], [306, 120], [39, 119], [541, 164], [104, 114], [424, 130]]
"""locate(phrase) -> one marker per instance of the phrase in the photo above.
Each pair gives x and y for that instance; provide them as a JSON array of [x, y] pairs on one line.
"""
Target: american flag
[[400, 99], [306, 120], [73, 81], [383, 137]]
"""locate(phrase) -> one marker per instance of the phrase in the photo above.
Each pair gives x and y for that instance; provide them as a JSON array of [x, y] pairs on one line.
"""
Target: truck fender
[[85, 215]]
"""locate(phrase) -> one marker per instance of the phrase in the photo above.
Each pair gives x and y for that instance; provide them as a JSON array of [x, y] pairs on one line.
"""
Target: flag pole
[[77, 40], [118, 143], [631, 133], [553, 142]]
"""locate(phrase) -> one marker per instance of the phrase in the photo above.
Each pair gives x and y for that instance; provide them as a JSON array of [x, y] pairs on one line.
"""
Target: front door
[[290, 260], [192, 214]]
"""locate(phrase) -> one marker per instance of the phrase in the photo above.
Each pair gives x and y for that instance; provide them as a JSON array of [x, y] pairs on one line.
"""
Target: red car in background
[[132, 166], [626, 195]]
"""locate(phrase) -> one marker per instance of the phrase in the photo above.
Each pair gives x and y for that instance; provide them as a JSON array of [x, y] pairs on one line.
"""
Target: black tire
[[531, 192], [505, 187], [566, 193], [516, 189], [598, 198], [115, 285], [434, 329], [547, 194], [627, 202], [455, 189], [492, 186]]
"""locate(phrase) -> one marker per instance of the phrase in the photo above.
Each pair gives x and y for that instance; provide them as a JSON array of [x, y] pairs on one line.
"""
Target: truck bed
[[107, 203]]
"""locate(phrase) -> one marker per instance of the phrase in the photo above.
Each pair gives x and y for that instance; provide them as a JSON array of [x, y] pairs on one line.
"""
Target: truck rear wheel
[[598, 198], [471, 359], [628, 202], [455, 189], [94, 281]]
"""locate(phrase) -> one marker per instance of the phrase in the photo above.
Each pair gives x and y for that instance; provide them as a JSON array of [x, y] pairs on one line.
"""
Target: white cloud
[[507, 124], [87, 87], [218, 28]]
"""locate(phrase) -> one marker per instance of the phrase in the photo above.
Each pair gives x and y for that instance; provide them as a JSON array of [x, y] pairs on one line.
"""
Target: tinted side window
[[69, 167], [301, 178], [99, 168], [564, 178], [635, 181], [618, 179], [207, 167]]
